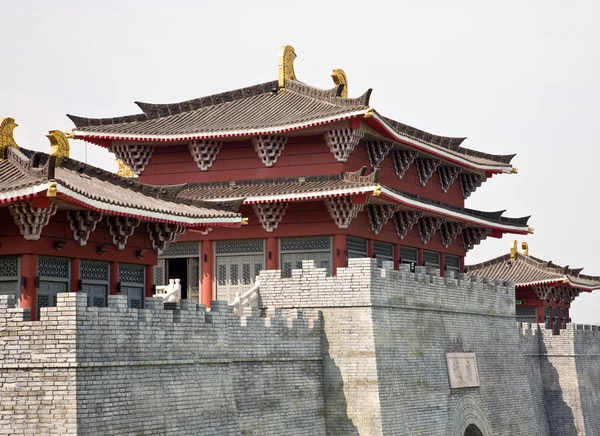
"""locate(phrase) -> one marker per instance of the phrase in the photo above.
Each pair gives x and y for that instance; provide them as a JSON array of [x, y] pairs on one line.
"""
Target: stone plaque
[[462, 369]]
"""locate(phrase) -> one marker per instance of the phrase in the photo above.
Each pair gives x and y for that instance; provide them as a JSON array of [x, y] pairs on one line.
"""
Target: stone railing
[[248, 299], [170, 293]]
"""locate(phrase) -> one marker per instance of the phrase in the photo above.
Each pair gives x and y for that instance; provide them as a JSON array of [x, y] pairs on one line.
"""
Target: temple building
[[69, 226], [543, 290], [320, 175]]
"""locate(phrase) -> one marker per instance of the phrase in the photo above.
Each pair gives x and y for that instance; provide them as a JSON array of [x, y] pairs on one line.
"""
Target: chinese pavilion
[[326, 177], [69, 226], [543, 290]]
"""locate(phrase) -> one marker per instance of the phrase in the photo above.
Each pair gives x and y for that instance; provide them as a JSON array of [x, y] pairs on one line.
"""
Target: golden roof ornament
[[124, 170], [339, 78], [7, 125], [287, 54], [524, 249], [513, 250], [59, 144]]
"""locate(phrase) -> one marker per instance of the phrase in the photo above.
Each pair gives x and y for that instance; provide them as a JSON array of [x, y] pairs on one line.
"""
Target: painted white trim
[[439, 152], [30, 190], [558, 279], [84, 134], [141, 212], [450, 213]]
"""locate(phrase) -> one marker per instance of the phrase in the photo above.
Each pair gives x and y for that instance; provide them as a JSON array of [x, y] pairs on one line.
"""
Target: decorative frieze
[[121, 228], [269, 148], [405, 221], [342, 210], [82, 223], [402, 160], [377, 151], [449, 231], [341, 142], [472, 236], [448, 175], [469, 182], [428, 225], [542, 290], [135, 157], [204, 153], [379, 214], [425, 168], [31, 220], [270, 214], [162, 234]]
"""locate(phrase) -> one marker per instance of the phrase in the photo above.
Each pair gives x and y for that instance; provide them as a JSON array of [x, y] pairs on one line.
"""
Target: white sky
[[512, 76]]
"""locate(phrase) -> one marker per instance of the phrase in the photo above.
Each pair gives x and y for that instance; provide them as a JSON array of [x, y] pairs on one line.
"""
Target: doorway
[[177, 268], [473, 430]]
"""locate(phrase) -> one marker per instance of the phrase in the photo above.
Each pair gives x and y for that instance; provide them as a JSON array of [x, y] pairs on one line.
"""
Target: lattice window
[[525, 311], [409, 255], [287, 269], [426, 168], [269, 148], [234, 274], [9, 267], [159, 275], [246, 279], [204, 153], [357, 247], [257, 269], [379, 214], [377, 151], [135, 157], [270, 214], [448, 175], [469, 183], [135, 303], [96, 271], [428, 226], [121, 228], [240, 246], [82, 223], [451, 263], [342, 210], [402, 160], [222, 275], [383, 252], [341, 142], [31, 220], [129, 273], [405, 221], [53, 267], [431, 259], [324, 264], [316, 243], [182, 249]]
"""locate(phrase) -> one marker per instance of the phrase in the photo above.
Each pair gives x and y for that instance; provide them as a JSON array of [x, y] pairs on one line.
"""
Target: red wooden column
[[28, 292], [420, 261], [114, 278], [272, 253], [396, 257], [75, 274], [461, 261], [339, 252], [208, 269], [370, 248], [149, 280], [442, 264]]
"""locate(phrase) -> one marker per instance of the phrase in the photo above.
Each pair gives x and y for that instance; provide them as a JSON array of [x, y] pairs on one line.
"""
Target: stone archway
[[473, 430], [469, 418]]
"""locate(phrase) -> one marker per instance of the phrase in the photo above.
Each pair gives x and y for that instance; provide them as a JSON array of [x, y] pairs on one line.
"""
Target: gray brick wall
[[115, 370], [385, 337]]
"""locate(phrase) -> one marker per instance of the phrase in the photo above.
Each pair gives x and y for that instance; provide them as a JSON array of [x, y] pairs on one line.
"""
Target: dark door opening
[[177, 269], [472, 430]]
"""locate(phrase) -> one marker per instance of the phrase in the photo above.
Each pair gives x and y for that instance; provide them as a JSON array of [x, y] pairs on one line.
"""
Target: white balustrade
[[170, 293]]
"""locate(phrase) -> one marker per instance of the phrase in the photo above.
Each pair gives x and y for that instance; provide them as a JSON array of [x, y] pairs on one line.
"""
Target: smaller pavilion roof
[[526, 270], [25, 174]]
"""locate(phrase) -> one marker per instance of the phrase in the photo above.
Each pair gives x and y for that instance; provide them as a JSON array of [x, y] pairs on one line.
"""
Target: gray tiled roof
[[315, 186], [529, 269], [24, 168], [260, 107]]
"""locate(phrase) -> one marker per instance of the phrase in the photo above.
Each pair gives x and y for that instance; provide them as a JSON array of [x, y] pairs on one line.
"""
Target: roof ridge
[[26, 164], [331, 95]]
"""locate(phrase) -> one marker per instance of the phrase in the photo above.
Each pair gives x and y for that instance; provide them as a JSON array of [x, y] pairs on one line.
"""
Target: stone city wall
[[566, 370], [116, 370], [386, 336]]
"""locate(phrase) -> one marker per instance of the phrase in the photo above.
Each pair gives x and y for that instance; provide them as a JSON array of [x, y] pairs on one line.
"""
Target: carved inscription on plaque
[[462, 369]]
